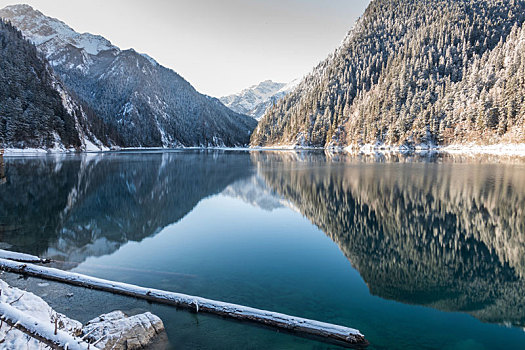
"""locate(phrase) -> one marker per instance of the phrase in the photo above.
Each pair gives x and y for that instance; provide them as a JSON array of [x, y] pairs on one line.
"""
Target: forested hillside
[[413, 72], [35, 110], [489, 103]]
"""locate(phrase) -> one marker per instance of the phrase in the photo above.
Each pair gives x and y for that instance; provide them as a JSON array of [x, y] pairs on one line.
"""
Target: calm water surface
[[415, 252]]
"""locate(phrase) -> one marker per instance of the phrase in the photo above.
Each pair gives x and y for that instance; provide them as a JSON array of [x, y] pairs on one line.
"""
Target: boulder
[[116, 330]]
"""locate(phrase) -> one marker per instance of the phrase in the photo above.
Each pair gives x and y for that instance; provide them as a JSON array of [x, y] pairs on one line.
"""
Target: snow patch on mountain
[[254, 100], [50, 34], [149, 58]]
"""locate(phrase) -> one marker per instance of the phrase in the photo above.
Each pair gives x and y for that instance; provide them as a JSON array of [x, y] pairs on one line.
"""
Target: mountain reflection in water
[[75, 207], [433, 232]]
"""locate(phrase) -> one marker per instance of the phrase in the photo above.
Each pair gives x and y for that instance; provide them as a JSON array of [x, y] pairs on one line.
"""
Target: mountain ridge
[[256, 99], [146, 104]]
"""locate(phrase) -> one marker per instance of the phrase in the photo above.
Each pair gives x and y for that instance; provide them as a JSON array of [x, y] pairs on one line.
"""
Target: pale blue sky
[[220, 46]]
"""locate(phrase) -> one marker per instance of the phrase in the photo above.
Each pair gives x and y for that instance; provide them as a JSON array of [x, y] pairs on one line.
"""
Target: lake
[[417, 252]]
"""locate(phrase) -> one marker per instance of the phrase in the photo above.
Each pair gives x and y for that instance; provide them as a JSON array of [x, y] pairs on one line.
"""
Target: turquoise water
[[415, 252]]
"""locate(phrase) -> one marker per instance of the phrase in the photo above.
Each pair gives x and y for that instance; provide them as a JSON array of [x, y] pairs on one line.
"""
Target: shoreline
[[458, 149]]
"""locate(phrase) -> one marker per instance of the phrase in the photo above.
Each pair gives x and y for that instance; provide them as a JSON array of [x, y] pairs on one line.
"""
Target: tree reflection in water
[[440, 233]]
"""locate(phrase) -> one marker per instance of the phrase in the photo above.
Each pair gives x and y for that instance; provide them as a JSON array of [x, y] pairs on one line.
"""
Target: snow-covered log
[[289, 323], [21, 257], [42, 331]]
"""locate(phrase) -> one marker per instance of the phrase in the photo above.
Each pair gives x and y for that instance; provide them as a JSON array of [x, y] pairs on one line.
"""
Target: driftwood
[[41, 331], [301, 326], [21, 257]]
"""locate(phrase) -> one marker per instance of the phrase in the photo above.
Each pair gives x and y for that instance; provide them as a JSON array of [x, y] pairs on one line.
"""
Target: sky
[[219, 46]]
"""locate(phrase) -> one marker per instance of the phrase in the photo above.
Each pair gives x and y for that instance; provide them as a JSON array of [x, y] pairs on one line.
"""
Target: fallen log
[[41, 331], [302, 326], [21, 257]]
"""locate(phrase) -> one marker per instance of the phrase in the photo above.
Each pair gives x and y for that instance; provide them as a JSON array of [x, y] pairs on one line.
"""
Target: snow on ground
[[35, 314], [24, 151], [284, 148], [16, 152], [91, 147], [498, 149], [109, 331], [26, 318]]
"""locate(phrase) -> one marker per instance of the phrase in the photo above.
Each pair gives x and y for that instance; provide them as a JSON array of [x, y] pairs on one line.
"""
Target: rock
[[118, 331]]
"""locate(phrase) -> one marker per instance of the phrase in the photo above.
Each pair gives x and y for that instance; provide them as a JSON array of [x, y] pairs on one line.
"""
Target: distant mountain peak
[[266, 84], [254, 101], [50, 33]]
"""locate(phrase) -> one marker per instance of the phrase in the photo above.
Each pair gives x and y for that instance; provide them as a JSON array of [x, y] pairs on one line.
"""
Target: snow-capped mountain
[[256, 99], [140, 102], [50, 33]]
